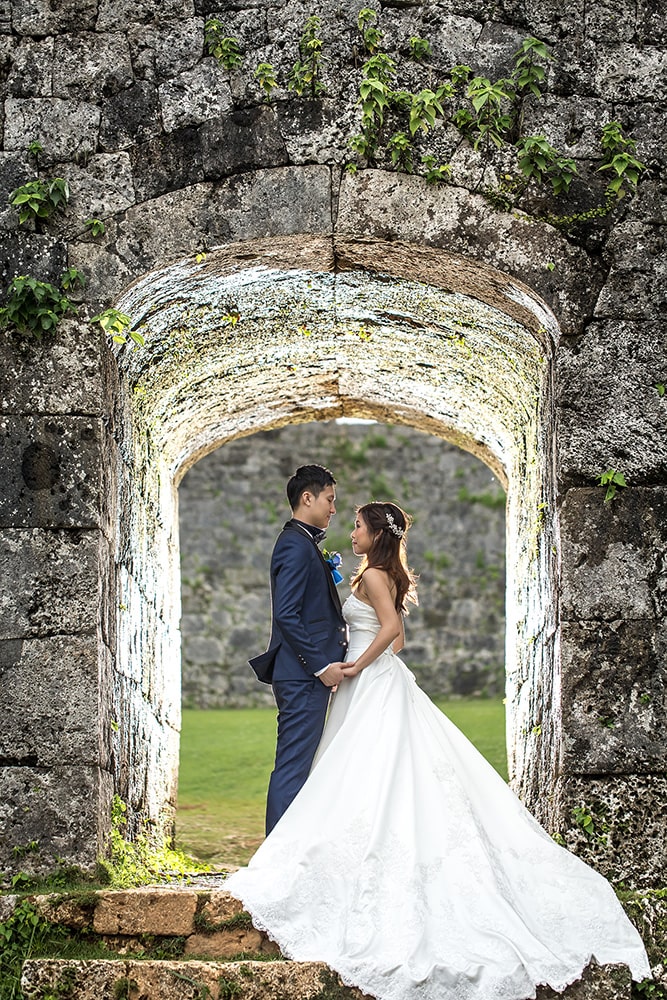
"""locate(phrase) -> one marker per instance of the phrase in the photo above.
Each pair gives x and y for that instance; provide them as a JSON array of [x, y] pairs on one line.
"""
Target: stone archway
[[266, 333]]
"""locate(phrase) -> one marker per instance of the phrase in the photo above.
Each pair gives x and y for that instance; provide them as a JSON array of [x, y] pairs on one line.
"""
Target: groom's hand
[[333, 675]]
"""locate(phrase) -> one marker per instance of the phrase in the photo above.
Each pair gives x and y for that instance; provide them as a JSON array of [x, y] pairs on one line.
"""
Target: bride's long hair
[[389, 525]]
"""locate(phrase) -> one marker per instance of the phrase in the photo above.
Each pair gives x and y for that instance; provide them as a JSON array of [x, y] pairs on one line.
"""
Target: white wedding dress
[[408, 865]]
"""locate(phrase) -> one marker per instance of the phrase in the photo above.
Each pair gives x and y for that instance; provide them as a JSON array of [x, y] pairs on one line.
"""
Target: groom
[[308, 635]]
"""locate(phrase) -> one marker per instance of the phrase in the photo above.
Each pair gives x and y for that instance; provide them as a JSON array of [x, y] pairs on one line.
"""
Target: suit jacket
[[308, 630]]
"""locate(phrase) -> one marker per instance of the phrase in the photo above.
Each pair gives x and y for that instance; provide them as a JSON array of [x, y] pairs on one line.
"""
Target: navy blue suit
[[308, 631]]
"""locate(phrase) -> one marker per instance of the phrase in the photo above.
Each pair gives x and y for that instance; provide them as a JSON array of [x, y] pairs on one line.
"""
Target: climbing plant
[[34, 307], [118, 327], [305, 74], [614, 481], [222, 47], [618, 156], [266, 78], [39, 199], [489, 114]]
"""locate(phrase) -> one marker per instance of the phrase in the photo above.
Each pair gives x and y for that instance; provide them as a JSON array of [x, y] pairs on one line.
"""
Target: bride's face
[[362, 539]]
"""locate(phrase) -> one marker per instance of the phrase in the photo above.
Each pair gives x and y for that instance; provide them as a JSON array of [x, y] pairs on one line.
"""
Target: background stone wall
[[232, 504]]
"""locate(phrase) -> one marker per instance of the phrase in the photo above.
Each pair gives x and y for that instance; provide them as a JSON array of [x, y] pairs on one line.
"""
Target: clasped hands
[[335, 673]]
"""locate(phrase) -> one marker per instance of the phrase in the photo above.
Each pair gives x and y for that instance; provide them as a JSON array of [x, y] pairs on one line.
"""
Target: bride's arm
[[376, 588]]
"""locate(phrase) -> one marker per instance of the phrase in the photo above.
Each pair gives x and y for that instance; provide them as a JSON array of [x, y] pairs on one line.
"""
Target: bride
[[405, 862]]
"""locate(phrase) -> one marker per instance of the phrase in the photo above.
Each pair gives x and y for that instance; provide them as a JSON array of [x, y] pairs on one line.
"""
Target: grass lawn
[[226, 760]]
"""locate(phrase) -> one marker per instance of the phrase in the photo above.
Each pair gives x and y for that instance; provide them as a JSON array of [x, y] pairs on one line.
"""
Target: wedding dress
[[408, 865]]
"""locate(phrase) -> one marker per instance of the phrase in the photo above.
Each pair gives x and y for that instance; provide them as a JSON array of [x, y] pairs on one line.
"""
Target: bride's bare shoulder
[[378, 580]]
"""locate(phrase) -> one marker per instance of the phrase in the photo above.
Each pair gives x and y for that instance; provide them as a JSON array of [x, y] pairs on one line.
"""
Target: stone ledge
[[211, 922], [107, 980]]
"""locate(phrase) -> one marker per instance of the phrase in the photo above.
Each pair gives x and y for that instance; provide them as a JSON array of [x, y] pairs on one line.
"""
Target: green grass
[[226, 760]]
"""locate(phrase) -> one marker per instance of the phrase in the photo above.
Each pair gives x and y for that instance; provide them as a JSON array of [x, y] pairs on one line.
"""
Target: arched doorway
[[258, 335]]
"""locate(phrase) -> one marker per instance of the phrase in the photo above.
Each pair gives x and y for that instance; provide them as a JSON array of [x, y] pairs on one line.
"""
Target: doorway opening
[[232, 505]]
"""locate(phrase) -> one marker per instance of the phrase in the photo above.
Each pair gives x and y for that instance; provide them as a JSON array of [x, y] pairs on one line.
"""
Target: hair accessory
[[393, 527]]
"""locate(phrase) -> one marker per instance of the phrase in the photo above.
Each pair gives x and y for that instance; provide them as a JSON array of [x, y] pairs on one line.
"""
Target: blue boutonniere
[[333, 561]]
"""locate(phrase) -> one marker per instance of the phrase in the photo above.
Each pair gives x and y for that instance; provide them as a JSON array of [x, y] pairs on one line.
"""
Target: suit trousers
[[302, 710]]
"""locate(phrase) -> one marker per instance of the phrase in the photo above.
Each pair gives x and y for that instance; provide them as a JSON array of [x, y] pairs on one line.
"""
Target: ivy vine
[[396, 124]]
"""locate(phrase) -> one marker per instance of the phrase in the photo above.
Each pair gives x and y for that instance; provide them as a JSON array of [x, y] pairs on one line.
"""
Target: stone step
[[198, 923], [44, 979], [215, 952]]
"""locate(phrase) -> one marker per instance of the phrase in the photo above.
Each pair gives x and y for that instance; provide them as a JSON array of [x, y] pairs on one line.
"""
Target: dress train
[[409, 866]]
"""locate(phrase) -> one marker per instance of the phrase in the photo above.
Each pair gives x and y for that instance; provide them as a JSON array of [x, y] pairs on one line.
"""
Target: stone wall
[[535, 342], [232, 504]]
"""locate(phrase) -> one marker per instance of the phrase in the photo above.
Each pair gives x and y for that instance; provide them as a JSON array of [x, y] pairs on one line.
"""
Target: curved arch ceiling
[[224, 352]]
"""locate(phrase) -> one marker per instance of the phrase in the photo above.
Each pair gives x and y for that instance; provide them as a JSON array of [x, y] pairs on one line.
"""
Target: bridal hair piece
[[393, 527]]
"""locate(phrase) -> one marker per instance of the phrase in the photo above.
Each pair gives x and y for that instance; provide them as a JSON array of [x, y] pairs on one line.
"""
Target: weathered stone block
[[7, 906], [624, 72], [570, 126], [54, 694], [50, 581], [91, 65], [91, 980], [612, 568], [244, 140], [178, 45], [107, 273], [145, 911], [614, 678], [228, 943], [610, 412], [95, 980], [650, 137], [637, 275], [31, 72], [52, 471], [610, 22], [66, 128], [648, 912], [315, 131], [629, 840], [220, 907], [43, 257], [247, 23], [67, 911], [14, 172], [32, 375], [119, 14], [102, 187], [61, 809], [168, 163], [247, 206], [40, 17], [195, 96], [454, 39], [130, 116]]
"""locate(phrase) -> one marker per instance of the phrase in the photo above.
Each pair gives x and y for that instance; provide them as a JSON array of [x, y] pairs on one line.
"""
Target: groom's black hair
[[313, 478]]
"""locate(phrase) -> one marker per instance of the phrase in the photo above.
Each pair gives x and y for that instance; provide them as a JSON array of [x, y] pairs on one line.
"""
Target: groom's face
[[320, 508]]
